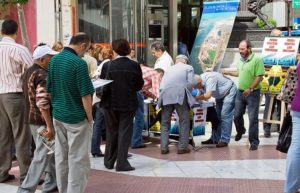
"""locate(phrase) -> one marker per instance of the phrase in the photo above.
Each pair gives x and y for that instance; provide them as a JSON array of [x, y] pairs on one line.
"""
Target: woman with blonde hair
[[57, 46], [104, 55]]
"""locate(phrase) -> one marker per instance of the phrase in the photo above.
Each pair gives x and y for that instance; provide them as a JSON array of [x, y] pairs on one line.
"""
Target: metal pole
[[23, 28], [60, 31], [289, 10], [173, 32]]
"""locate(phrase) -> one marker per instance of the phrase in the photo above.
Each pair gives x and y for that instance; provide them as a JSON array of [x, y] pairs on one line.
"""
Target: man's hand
[[247, 92], [48, 133]]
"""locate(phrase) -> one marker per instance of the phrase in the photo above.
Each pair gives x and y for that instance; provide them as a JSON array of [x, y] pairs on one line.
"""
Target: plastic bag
[[285, 136]]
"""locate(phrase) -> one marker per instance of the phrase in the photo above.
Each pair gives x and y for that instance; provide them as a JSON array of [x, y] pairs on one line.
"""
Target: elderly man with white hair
[[224, 91], [176, 86]]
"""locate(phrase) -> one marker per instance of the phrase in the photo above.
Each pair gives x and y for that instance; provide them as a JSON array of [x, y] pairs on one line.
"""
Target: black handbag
[[102, 89], [285, 135]]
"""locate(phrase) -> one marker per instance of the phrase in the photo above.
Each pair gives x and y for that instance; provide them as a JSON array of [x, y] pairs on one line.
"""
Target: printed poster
[[213, 35], [279, 54]]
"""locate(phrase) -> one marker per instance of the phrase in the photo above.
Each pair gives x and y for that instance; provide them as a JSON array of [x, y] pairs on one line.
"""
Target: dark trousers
[[98, 128], [14, 130], [252, 103], [119, 126]]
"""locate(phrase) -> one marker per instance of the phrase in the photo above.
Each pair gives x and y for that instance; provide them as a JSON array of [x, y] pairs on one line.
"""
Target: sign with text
[[296, 4], [279, 54]]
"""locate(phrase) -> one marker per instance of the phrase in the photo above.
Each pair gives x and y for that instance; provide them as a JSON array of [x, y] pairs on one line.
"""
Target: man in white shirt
[[163, 59], [14, 60]]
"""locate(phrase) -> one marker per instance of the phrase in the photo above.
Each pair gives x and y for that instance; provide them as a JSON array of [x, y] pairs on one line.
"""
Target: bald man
[[250, 70]]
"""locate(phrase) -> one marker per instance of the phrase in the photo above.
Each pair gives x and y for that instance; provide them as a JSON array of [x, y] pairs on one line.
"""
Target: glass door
[[188, 17], [157, 26]]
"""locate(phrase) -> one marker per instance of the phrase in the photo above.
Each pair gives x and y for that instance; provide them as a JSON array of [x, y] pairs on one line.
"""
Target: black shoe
[[130, 168], [208, 142], [267, 134], [41, 181], [253, 147], [164, 151], [52, 190], [97, 154], [9, 178], [222, 144], [108, 166], [129, 155], [14, 158], [239, 135], [183, 151], [138, 146]]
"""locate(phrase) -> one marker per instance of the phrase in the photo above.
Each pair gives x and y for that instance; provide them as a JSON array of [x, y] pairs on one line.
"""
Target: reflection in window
[[93, 17]]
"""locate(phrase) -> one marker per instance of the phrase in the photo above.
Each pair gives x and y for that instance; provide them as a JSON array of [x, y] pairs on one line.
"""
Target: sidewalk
[[233, 169]]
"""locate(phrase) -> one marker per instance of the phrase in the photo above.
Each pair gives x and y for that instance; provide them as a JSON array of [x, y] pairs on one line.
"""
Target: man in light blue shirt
[[224, 91]]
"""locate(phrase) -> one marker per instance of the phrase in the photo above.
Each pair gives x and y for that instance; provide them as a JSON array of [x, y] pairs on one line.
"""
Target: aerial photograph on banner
[[213, 35]]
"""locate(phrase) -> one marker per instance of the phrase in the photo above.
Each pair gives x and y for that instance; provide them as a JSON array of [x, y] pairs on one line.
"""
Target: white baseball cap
[[43, 50]]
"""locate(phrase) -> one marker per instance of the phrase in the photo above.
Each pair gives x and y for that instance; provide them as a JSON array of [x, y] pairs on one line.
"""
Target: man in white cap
[[176, 86], [40, 121]]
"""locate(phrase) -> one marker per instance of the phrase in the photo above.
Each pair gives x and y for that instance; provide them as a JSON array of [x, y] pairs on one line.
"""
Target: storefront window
[[93, 18], [122, 19]]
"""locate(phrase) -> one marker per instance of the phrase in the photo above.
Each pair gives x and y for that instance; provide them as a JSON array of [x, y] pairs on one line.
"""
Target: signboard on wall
[[296, 4], [213, 35], [279, 54]]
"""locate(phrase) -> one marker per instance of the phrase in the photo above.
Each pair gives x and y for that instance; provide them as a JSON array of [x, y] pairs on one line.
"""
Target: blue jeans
[[225, 110], [292, 183], [98, 127], [139, 123], [252, 101]]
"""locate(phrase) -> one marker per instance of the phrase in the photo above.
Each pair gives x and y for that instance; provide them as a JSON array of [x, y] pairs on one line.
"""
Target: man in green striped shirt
[[71, 95]]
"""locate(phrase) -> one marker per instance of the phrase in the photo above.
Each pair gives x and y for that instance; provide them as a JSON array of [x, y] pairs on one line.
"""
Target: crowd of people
[[49, 95]]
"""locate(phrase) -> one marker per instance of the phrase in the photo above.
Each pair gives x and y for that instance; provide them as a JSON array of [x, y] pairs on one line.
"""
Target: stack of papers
[[100, 82]]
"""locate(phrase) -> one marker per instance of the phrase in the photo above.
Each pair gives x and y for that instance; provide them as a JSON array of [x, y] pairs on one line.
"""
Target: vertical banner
[[296, 23], [279, 54], [213, 35]]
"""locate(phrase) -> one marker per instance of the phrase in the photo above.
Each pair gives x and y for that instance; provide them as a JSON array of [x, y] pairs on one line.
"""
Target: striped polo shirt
[[68, 81], [14, 60]]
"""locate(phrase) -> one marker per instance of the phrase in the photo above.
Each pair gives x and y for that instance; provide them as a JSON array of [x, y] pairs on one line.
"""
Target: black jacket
[[120, 95]]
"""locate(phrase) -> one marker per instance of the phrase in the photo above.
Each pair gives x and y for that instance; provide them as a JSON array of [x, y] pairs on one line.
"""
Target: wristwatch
[[251, 89]]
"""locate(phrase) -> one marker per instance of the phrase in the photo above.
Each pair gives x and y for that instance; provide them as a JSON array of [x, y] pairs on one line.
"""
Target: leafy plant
[[261, 24], [5, 2], [19, 4]]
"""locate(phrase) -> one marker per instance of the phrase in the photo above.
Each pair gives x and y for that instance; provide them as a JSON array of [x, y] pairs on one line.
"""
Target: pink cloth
[[296, 101]]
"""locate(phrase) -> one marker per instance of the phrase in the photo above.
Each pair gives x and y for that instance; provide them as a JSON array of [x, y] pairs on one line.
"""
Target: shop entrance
[[141, 22]]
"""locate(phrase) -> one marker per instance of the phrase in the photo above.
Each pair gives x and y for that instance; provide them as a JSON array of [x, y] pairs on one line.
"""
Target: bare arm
[[231, 73], [50, 131], [204, 96], [87, 104]]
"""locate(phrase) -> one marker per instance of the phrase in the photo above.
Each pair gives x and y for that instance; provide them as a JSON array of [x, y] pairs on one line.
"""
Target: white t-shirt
[[164, 62]]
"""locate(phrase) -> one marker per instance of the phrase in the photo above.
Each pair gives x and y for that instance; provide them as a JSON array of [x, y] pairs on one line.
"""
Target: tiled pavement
[[232, 169]]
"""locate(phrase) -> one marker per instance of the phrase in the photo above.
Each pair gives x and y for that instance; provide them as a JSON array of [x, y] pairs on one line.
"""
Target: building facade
[[140, 21]]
